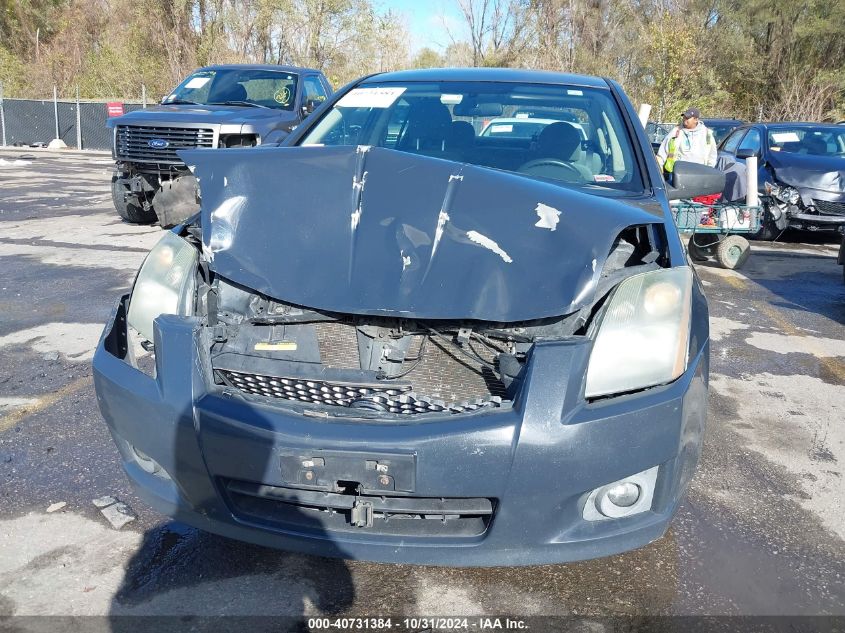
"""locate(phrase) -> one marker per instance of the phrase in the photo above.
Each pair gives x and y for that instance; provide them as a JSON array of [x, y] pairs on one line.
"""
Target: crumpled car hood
[[374, 231], [200, 114], [822, 173]]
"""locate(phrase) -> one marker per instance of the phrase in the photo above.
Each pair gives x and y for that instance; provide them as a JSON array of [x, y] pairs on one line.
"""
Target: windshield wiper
[[180, 102], [243, 103]]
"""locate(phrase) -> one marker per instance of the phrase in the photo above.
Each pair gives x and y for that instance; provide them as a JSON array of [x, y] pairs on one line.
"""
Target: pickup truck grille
[[148, 144]]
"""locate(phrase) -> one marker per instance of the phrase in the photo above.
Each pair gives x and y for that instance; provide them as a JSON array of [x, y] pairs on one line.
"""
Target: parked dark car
[[801, 173], [215, 107], [394, 339], [722, 127], [656, 132]]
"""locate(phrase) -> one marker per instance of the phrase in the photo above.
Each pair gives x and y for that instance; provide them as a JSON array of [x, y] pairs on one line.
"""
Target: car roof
[[797, 124], [277, 67], [514, 75]]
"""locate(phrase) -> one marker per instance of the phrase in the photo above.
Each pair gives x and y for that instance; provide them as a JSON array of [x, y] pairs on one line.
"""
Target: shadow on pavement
[[181, 574]]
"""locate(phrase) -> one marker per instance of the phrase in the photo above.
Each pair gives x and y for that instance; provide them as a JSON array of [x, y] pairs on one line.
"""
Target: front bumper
[[536, 462]]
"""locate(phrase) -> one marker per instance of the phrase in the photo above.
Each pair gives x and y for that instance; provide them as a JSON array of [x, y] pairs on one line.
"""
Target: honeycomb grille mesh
[[399, 399], [830, 208]]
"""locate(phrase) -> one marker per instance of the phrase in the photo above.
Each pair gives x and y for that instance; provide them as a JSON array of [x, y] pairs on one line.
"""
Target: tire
[[768, 229], [701, 246], [733, 251], [841, 257], [126, 210]]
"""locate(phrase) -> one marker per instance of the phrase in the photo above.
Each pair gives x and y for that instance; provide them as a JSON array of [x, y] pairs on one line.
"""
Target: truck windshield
[[248, 87], [577, 138]]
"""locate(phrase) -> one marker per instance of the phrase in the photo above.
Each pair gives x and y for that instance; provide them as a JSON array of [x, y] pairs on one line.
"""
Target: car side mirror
[[690, 180], [746, 152], [310, 106]]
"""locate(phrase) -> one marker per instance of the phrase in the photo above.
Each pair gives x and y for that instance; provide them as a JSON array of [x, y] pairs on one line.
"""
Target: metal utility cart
[[717, 230]]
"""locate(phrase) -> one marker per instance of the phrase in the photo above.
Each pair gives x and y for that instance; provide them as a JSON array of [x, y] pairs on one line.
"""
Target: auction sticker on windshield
[[370, 98], [197, 82]]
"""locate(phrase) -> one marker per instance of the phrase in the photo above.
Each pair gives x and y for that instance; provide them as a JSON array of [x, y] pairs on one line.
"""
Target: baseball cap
[[691, 112]]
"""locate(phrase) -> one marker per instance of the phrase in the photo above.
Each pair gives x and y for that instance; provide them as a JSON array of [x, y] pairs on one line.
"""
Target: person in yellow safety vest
[[691, 141]]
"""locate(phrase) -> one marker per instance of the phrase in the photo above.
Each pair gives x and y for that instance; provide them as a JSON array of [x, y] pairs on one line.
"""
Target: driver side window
[[732, 141], [314, 90], [751, 141]]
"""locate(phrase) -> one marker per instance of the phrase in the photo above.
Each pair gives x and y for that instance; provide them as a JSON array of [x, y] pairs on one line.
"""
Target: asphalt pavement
[[762, 531]]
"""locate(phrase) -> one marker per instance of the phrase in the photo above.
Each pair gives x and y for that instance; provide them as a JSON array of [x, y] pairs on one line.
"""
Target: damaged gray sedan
[[395, 339]]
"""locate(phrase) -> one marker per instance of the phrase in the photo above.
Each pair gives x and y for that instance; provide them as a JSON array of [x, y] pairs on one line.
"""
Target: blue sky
[[429, 21]]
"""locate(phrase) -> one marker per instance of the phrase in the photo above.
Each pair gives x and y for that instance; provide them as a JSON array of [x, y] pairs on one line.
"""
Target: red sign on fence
[[114, 108]]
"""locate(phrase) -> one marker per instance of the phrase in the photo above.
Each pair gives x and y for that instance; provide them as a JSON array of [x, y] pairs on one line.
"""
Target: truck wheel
[[733, 251], [701, 246], [128, 211]]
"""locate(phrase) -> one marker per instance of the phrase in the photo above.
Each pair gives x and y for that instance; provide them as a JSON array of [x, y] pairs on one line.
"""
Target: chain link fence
[[80, 123]]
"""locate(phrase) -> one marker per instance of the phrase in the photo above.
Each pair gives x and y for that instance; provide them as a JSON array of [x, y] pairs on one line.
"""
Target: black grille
[[133, 142], [309, 510], [393, 399], [829, 208]]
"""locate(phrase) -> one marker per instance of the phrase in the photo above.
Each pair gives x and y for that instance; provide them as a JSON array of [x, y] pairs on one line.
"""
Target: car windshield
[[721, 130], [249, 87], [580, 141], [816, 141]]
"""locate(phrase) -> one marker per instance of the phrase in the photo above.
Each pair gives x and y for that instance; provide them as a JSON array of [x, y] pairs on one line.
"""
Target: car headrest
[[429, 123], [461, 134], [559, 140], [235, 92]]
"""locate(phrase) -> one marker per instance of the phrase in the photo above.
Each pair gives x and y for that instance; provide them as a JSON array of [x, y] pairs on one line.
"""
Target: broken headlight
[[789, 195], [643, 335], [165, 284]]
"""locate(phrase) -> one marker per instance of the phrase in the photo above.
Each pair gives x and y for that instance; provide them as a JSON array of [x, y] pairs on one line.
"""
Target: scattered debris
[[102, 502], [55, 507], [116, 512]]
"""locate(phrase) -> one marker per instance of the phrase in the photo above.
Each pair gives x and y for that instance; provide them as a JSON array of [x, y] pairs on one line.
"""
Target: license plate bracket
[[323, 469]]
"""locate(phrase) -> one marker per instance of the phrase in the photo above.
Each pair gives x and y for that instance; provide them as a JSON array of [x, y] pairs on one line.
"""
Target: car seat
[[429, 124], [557, 142], [461, 136], [234, 92]]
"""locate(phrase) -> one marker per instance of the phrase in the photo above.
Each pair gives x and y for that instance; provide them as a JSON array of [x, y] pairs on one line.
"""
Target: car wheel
[[733, 251], [768, 229], [841, 257], [701, 246], [126, 210]]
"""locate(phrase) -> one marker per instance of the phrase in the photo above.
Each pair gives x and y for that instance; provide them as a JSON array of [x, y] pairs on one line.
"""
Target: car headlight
[[165, 284], [785, 194], [643, 335]]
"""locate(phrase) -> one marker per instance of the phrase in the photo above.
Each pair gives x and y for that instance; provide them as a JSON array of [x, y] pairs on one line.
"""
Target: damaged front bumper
[[494, 487]]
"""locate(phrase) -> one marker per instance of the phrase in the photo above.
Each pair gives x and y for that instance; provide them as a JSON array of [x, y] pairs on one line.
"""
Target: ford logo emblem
[[158, 143]]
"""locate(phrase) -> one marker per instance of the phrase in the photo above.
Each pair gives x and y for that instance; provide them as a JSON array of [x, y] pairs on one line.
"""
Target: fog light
[[624, 495]]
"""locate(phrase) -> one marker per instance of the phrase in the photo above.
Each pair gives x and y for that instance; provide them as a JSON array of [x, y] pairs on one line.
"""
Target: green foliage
[[744, 58], [12, 73]]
